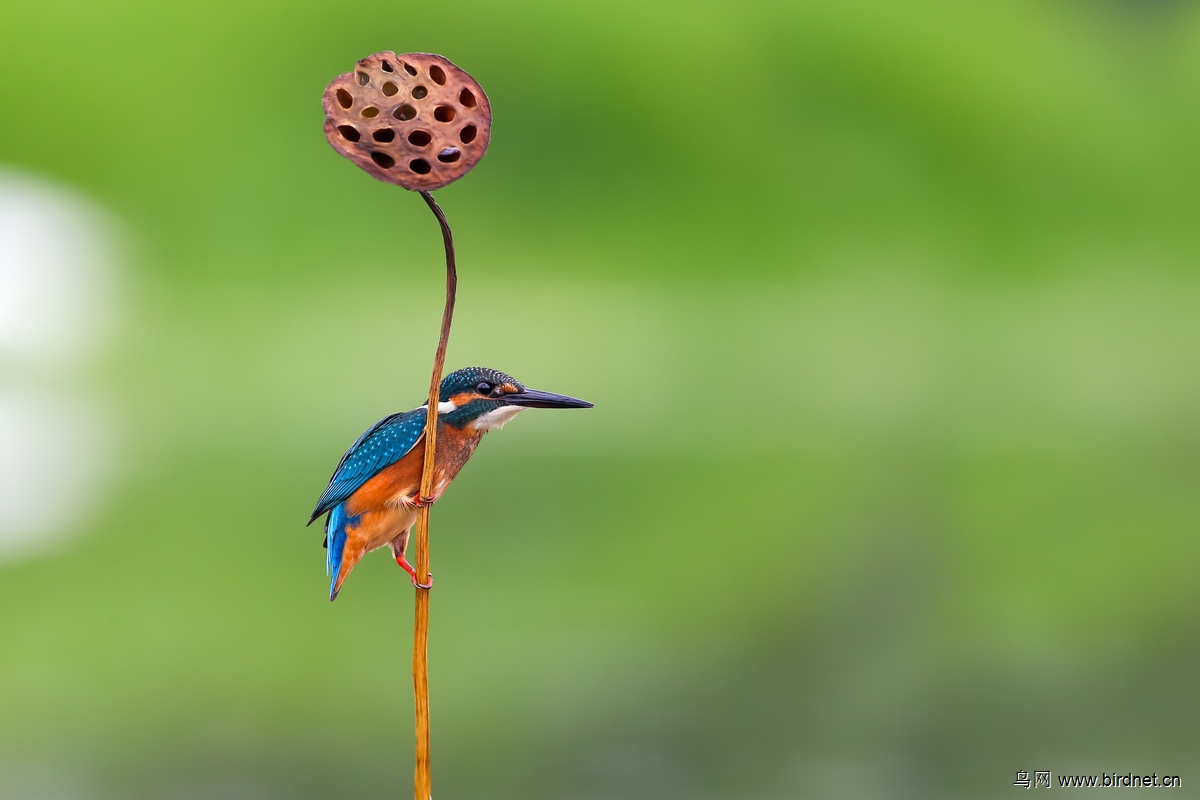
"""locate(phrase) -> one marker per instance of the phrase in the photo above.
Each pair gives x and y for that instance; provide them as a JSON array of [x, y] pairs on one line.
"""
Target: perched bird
[[373, 496]]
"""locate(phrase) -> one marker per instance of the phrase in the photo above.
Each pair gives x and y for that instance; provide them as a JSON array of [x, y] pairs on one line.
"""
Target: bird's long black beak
[[532, 398]]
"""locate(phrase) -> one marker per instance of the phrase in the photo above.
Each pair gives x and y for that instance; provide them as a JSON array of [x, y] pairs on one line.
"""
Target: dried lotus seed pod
[[415, 119]]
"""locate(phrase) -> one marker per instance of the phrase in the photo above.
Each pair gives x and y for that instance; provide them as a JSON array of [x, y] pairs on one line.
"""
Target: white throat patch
[[497, 417]]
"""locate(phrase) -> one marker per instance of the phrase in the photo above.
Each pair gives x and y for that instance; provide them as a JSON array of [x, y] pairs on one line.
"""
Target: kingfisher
[[373, 496]]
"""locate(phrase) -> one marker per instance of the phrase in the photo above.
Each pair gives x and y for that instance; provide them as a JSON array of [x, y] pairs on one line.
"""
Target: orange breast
[[403, 479]]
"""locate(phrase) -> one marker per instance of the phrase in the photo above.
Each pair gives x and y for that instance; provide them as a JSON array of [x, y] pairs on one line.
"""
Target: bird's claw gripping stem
[[412, 573], [421, 502]]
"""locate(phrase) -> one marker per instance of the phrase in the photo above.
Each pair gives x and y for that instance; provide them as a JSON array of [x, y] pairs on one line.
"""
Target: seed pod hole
[[383, 135], [370, 111], [443, 114], [466, 98], [387, 67], [409, 68], [419, 92], [449, 155], [344, 98], [420, 138], [404, 112], [390, 88], [419, 166], [349, 133], [363, 79], [437, 75], [383, 160], [467, 134]]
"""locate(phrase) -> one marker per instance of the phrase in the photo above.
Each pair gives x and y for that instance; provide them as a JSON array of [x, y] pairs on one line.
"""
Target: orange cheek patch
[[462, 398]]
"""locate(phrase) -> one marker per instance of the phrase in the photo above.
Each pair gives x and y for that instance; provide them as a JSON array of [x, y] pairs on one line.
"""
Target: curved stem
[[422, 778]]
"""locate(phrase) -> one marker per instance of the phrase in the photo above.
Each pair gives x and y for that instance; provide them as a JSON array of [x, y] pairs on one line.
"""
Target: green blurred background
[[891, 318]]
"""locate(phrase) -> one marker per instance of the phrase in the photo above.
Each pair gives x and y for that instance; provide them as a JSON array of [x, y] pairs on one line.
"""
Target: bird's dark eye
[[484, 388]]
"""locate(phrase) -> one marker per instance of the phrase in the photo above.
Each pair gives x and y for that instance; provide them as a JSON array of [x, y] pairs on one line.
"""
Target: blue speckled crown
[[467, 378]]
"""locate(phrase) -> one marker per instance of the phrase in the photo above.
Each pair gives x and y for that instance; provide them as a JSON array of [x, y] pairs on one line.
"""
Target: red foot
[[412, 573], [418, 501]]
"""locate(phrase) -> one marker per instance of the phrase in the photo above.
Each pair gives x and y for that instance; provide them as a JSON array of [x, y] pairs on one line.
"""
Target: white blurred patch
[[56, 258], [56, 298]]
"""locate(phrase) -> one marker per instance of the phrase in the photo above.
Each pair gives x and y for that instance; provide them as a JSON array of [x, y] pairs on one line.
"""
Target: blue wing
[[383, 444]]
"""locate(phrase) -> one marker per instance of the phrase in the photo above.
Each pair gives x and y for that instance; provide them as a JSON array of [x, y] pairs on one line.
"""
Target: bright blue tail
[[335, 543]]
